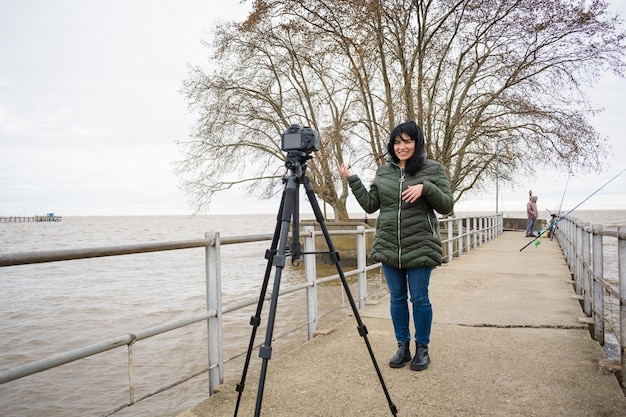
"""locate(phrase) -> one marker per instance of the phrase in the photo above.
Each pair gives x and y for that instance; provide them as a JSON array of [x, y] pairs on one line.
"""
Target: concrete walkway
[[506, 341]]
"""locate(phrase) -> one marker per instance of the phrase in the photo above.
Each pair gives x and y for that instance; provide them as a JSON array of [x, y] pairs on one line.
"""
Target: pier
[[509, 338], [50, 217]]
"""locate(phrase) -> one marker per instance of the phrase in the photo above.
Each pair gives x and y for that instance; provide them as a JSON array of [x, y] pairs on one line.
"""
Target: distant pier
[[50, 217]]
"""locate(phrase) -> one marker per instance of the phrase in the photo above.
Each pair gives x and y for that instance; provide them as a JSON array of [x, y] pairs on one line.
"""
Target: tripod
[[276, 256]]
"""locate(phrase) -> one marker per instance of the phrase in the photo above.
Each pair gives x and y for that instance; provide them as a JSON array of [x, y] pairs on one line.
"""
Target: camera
[[300, 138]]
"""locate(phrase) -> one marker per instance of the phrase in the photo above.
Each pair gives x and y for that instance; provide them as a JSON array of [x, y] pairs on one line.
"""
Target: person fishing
[[532, 213], [407, 190], [558, 218]]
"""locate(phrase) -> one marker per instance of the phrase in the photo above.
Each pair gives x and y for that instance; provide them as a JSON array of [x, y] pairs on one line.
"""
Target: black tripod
[[289, 209]]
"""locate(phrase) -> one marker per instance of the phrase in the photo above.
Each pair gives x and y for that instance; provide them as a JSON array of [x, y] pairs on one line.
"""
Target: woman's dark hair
[[415, 133]]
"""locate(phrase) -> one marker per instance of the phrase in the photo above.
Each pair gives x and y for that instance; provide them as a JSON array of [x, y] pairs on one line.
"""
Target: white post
[[459, 226], [598, 291], [310, 271], [621, 268], [468, 237], [361, 264], [497, 171], [578, 238], [450, 226], [214, 303], [475, 224], [586, 276]]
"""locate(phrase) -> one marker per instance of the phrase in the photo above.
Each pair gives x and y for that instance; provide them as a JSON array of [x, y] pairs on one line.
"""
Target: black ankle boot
[[421, 359], [403, 355]]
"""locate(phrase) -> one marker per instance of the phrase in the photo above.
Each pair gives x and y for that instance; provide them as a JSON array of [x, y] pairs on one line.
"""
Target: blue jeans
[[417, 280], [530, 227]]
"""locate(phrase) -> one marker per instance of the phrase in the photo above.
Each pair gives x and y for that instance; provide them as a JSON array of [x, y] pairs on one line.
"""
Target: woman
[[407, 190]]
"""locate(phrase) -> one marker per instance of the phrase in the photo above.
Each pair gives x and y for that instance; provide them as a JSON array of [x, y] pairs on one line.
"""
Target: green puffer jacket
[[407, 234]]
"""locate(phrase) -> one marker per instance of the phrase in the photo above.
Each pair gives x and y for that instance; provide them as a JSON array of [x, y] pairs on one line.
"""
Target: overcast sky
[[90, 110]]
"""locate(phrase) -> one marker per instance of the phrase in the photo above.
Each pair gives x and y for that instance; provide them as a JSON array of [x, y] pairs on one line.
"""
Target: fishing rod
[[558, 212], [552, 225]]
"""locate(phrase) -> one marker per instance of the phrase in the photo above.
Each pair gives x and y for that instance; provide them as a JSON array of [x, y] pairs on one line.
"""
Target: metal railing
[[603, 299], [463, 235]]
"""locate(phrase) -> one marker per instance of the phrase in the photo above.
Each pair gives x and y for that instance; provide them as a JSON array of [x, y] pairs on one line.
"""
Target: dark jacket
[[407, 234]]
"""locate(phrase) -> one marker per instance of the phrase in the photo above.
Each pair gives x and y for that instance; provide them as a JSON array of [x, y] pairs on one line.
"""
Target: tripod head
[[296, 162]]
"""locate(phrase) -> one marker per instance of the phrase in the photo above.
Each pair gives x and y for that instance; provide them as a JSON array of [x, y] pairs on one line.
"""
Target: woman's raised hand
[[344, 171]]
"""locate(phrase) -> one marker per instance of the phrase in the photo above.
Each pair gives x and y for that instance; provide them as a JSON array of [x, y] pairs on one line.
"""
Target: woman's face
[[404, 147]]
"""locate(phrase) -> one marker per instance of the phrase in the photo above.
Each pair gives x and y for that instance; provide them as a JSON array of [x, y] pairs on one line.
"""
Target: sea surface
[[49, 308]]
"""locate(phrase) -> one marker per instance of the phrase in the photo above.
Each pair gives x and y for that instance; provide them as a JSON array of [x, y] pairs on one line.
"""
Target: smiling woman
[[407, 191]]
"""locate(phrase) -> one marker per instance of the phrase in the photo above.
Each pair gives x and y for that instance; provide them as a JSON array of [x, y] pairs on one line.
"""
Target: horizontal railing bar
[[22, 258], [67, 357], [610, 288], [73, 355], [173, 325]]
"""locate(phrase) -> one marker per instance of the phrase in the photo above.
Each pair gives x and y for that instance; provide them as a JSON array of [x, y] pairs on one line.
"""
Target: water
[[49, 308]]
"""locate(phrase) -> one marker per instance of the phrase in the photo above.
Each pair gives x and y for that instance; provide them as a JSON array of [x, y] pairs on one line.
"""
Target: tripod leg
[[255, 320], [335, 258], [265, 353]]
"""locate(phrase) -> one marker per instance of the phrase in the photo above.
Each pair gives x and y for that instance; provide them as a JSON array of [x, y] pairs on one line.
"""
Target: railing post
[[571, 246], [486, 228], [459, 228], [361, 263], [450, 226], [310, 272], [481, 229], [475, 224], [494, 220], [214, 302], [468, 238], [578, 258], [621, 268], [598, 291], [585, 273]]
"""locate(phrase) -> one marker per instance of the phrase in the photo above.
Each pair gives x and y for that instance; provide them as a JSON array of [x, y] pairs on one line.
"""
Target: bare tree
[[470, 72], [269, 76]]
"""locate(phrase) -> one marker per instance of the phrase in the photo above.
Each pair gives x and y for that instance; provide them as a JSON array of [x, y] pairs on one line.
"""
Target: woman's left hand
[[412, 193]]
